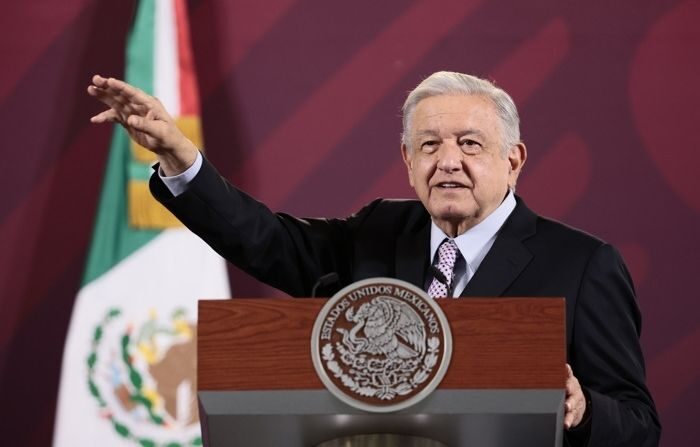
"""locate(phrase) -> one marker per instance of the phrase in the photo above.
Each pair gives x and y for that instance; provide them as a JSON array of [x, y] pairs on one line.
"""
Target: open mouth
[[450, 185]]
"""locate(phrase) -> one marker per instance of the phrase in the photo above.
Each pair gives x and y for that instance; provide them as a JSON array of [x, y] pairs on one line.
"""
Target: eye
[[470, 146], [429, 146]]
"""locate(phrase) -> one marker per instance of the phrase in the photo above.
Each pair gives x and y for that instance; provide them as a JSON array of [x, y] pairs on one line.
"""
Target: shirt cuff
[[177, 184]]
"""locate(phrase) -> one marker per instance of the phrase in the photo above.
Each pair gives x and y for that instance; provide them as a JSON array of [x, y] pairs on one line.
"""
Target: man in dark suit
[[462, 149]]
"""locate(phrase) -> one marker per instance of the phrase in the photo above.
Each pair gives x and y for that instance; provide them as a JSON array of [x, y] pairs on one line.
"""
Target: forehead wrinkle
[[469, 132], [457, 133], [427, 132]]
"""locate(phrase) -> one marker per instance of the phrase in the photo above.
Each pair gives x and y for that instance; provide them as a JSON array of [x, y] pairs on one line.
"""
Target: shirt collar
[[472, 241]]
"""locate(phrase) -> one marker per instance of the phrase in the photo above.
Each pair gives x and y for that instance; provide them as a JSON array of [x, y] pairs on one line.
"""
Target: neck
[[454, 228]]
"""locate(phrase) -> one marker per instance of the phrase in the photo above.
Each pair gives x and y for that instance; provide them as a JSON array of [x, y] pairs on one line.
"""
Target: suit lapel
[[412, 256], [508, 256]]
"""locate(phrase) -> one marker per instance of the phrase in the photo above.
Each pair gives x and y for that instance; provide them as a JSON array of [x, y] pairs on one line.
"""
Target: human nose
[[449, 158]]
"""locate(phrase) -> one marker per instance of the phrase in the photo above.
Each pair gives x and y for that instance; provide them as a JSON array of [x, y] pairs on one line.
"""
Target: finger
[[109, 98], [572, 385], [574, 408], [99, 81], [574, 397], [128, 92], [122, 107], [118, 92], [93, 90], [569, 416], [106, 116], [569, 371], [108, 83], [115, 91], [573, 405], [150, 127], [568, 422]]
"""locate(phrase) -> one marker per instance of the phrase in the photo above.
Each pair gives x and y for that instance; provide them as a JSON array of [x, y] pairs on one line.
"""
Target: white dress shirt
[[474, 243]]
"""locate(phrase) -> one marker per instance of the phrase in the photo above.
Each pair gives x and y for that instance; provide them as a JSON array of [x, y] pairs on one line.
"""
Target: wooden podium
[[505, 385]]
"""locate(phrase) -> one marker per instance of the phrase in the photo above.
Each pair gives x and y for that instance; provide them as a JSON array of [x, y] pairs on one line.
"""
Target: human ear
[[517, 155], [407, 156]]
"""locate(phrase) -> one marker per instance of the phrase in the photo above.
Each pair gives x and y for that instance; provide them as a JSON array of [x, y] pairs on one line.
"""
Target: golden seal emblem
[[381, 345]]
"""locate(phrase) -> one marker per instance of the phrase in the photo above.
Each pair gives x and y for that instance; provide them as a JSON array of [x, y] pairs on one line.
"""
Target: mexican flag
[[128, 375]]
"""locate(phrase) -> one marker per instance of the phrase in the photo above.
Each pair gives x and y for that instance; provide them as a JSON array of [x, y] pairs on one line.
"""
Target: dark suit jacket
[[532, 256]]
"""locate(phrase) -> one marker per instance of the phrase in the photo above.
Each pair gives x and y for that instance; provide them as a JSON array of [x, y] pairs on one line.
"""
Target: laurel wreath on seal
[[136, 381], [362, 377]]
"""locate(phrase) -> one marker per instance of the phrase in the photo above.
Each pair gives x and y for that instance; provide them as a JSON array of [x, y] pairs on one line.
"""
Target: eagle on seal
[[390, 327]]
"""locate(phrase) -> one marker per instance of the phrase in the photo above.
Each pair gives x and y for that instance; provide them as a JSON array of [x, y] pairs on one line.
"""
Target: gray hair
[[452, 83]]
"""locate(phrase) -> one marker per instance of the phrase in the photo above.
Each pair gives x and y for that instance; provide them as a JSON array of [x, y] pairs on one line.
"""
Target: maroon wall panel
[[301, 108]]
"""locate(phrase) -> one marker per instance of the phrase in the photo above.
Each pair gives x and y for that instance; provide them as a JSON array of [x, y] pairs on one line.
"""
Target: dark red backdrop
[[301, 103]]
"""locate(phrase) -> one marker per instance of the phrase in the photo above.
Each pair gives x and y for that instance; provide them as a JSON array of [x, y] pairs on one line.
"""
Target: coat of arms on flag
[[142, 375]]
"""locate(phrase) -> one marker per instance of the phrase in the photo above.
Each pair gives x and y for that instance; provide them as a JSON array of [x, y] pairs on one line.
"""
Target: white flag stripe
[[166, 70], [170, 272]]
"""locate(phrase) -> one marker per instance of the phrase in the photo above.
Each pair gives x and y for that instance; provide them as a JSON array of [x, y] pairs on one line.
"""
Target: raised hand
[[146, 120]]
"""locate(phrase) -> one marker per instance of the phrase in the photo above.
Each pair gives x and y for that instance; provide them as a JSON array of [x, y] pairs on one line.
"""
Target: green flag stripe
[[112, 238], [140, 171], [140, 47]]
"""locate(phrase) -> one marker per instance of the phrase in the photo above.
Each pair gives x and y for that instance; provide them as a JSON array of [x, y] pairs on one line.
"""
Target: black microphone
[[324, 281]]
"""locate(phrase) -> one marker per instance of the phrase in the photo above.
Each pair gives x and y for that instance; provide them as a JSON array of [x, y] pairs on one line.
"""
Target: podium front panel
[[505, 385]]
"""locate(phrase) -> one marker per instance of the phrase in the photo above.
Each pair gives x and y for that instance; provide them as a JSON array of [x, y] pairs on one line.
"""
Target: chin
[[452, 215], [454, 209]]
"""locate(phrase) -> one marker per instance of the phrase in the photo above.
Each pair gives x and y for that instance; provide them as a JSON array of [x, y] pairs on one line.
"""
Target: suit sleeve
[[606, 356], [288, 253]]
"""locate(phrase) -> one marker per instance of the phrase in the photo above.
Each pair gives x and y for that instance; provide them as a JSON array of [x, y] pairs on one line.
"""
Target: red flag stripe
[[189, 96]]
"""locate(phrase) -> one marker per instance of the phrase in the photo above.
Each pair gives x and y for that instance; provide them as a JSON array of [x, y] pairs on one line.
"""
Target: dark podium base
[[381, 440], [453, 418]]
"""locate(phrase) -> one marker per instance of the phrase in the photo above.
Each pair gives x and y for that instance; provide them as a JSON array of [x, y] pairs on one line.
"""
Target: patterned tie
[[447, 256]]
